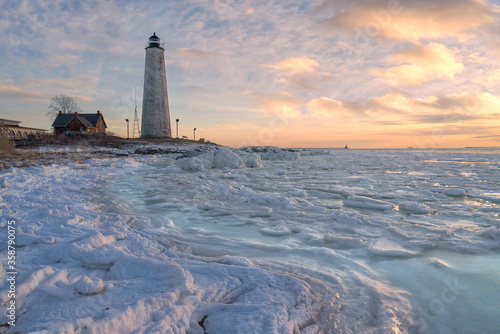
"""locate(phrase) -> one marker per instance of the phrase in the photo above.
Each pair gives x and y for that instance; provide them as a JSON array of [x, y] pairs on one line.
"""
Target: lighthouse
[[155, 113]]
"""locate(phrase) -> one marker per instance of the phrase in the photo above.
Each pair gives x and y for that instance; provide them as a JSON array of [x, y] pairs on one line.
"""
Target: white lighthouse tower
[[155, 113]]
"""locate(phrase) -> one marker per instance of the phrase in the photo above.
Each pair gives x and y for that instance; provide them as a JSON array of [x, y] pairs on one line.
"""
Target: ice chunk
[[253, 160], [46, 240], [313, 152], [454, 192], [101, 258], [313, 329], [223, 158], [262, 213], [492, 233], [194, 164], [57, 285], [414, 208], [4, 183], [236, 261], [439, 263], [342, 241], [279, 154], [95, 240], [386, 247], [89, 286], [227, 158], [276, 231], [367, 203]]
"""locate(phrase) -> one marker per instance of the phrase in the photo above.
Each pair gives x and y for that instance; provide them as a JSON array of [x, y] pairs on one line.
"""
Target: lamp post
[[194, 134], [127, 128], [177, 127]]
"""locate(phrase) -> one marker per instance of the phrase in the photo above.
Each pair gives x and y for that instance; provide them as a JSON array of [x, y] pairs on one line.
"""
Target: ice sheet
[[258, 240]]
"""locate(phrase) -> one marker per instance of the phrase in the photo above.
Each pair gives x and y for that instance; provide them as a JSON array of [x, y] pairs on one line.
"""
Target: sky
[[288, 73]]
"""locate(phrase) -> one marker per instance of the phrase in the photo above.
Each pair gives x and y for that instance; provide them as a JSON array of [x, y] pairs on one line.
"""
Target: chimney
[[98, 112], [76, 113], [60, 112]]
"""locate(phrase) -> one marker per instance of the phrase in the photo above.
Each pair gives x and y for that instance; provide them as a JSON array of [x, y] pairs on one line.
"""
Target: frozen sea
[[260, 240]]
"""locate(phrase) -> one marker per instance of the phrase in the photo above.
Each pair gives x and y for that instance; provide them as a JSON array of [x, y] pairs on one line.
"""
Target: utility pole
[[127, 128], [177, 126], [194, 134]]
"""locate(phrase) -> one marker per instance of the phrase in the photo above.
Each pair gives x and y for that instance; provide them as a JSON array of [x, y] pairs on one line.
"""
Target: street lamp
[[127, 128], [194, 134], [177, 126]]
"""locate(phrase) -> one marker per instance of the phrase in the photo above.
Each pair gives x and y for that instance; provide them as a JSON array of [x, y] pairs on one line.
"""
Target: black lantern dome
[[154, 41]]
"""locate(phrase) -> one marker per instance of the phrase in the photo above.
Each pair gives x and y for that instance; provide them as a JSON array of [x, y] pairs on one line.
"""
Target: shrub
[[6, 144]]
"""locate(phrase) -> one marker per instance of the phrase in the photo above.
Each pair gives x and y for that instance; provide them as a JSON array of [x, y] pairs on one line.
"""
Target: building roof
[[85, 121], [22, 128], [89, 120], [14, 125], [94, 118], [10, 122], [62, 120]]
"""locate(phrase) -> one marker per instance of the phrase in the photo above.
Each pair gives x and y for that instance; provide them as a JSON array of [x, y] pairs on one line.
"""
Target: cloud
[[42, 89], [433, 57], [195, 53], [408, 105], [423, 64], [307, 81], [404, 75], [301, 73], [10, 91], [442, 133], [399, 109], [406, 20], [493, 76], [326, 107], [445, 118], [492, 136], [294, 66], [281, 103]]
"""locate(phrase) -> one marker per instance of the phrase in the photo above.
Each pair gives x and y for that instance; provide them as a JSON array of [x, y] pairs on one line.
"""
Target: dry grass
[[6, 145]]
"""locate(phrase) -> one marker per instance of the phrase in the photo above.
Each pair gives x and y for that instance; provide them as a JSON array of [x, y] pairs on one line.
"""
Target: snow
[[215, 240]]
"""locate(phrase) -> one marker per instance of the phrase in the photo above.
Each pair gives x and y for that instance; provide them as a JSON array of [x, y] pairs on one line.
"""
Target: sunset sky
[[289, 73]]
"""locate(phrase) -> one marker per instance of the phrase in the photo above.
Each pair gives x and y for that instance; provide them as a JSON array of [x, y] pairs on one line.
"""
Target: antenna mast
[[136, 119]]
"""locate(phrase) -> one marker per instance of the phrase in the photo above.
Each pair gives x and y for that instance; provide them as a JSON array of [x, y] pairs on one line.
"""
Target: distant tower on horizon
[[155, 113]]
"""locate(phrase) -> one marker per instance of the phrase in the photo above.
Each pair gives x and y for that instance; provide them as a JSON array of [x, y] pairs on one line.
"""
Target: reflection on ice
[[382, 228], [454, 293]]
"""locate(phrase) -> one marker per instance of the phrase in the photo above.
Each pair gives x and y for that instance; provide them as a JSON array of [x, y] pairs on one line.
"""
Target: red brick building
[[79, 123]]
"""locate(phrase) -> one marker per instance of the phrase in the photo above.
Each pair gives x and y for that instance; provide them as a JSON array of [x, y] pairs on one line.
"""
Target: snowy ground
[[256, 241]]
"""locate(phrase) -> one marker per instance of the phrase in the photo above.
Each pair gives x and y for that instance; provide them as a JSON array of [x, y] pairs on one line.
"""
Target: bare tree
[[64, 103]]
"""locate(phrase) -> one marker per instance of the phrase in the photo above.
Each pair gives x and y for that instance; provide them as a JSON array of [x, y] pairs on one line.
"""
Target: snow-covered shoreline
[[96, 254], [82, 270]]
